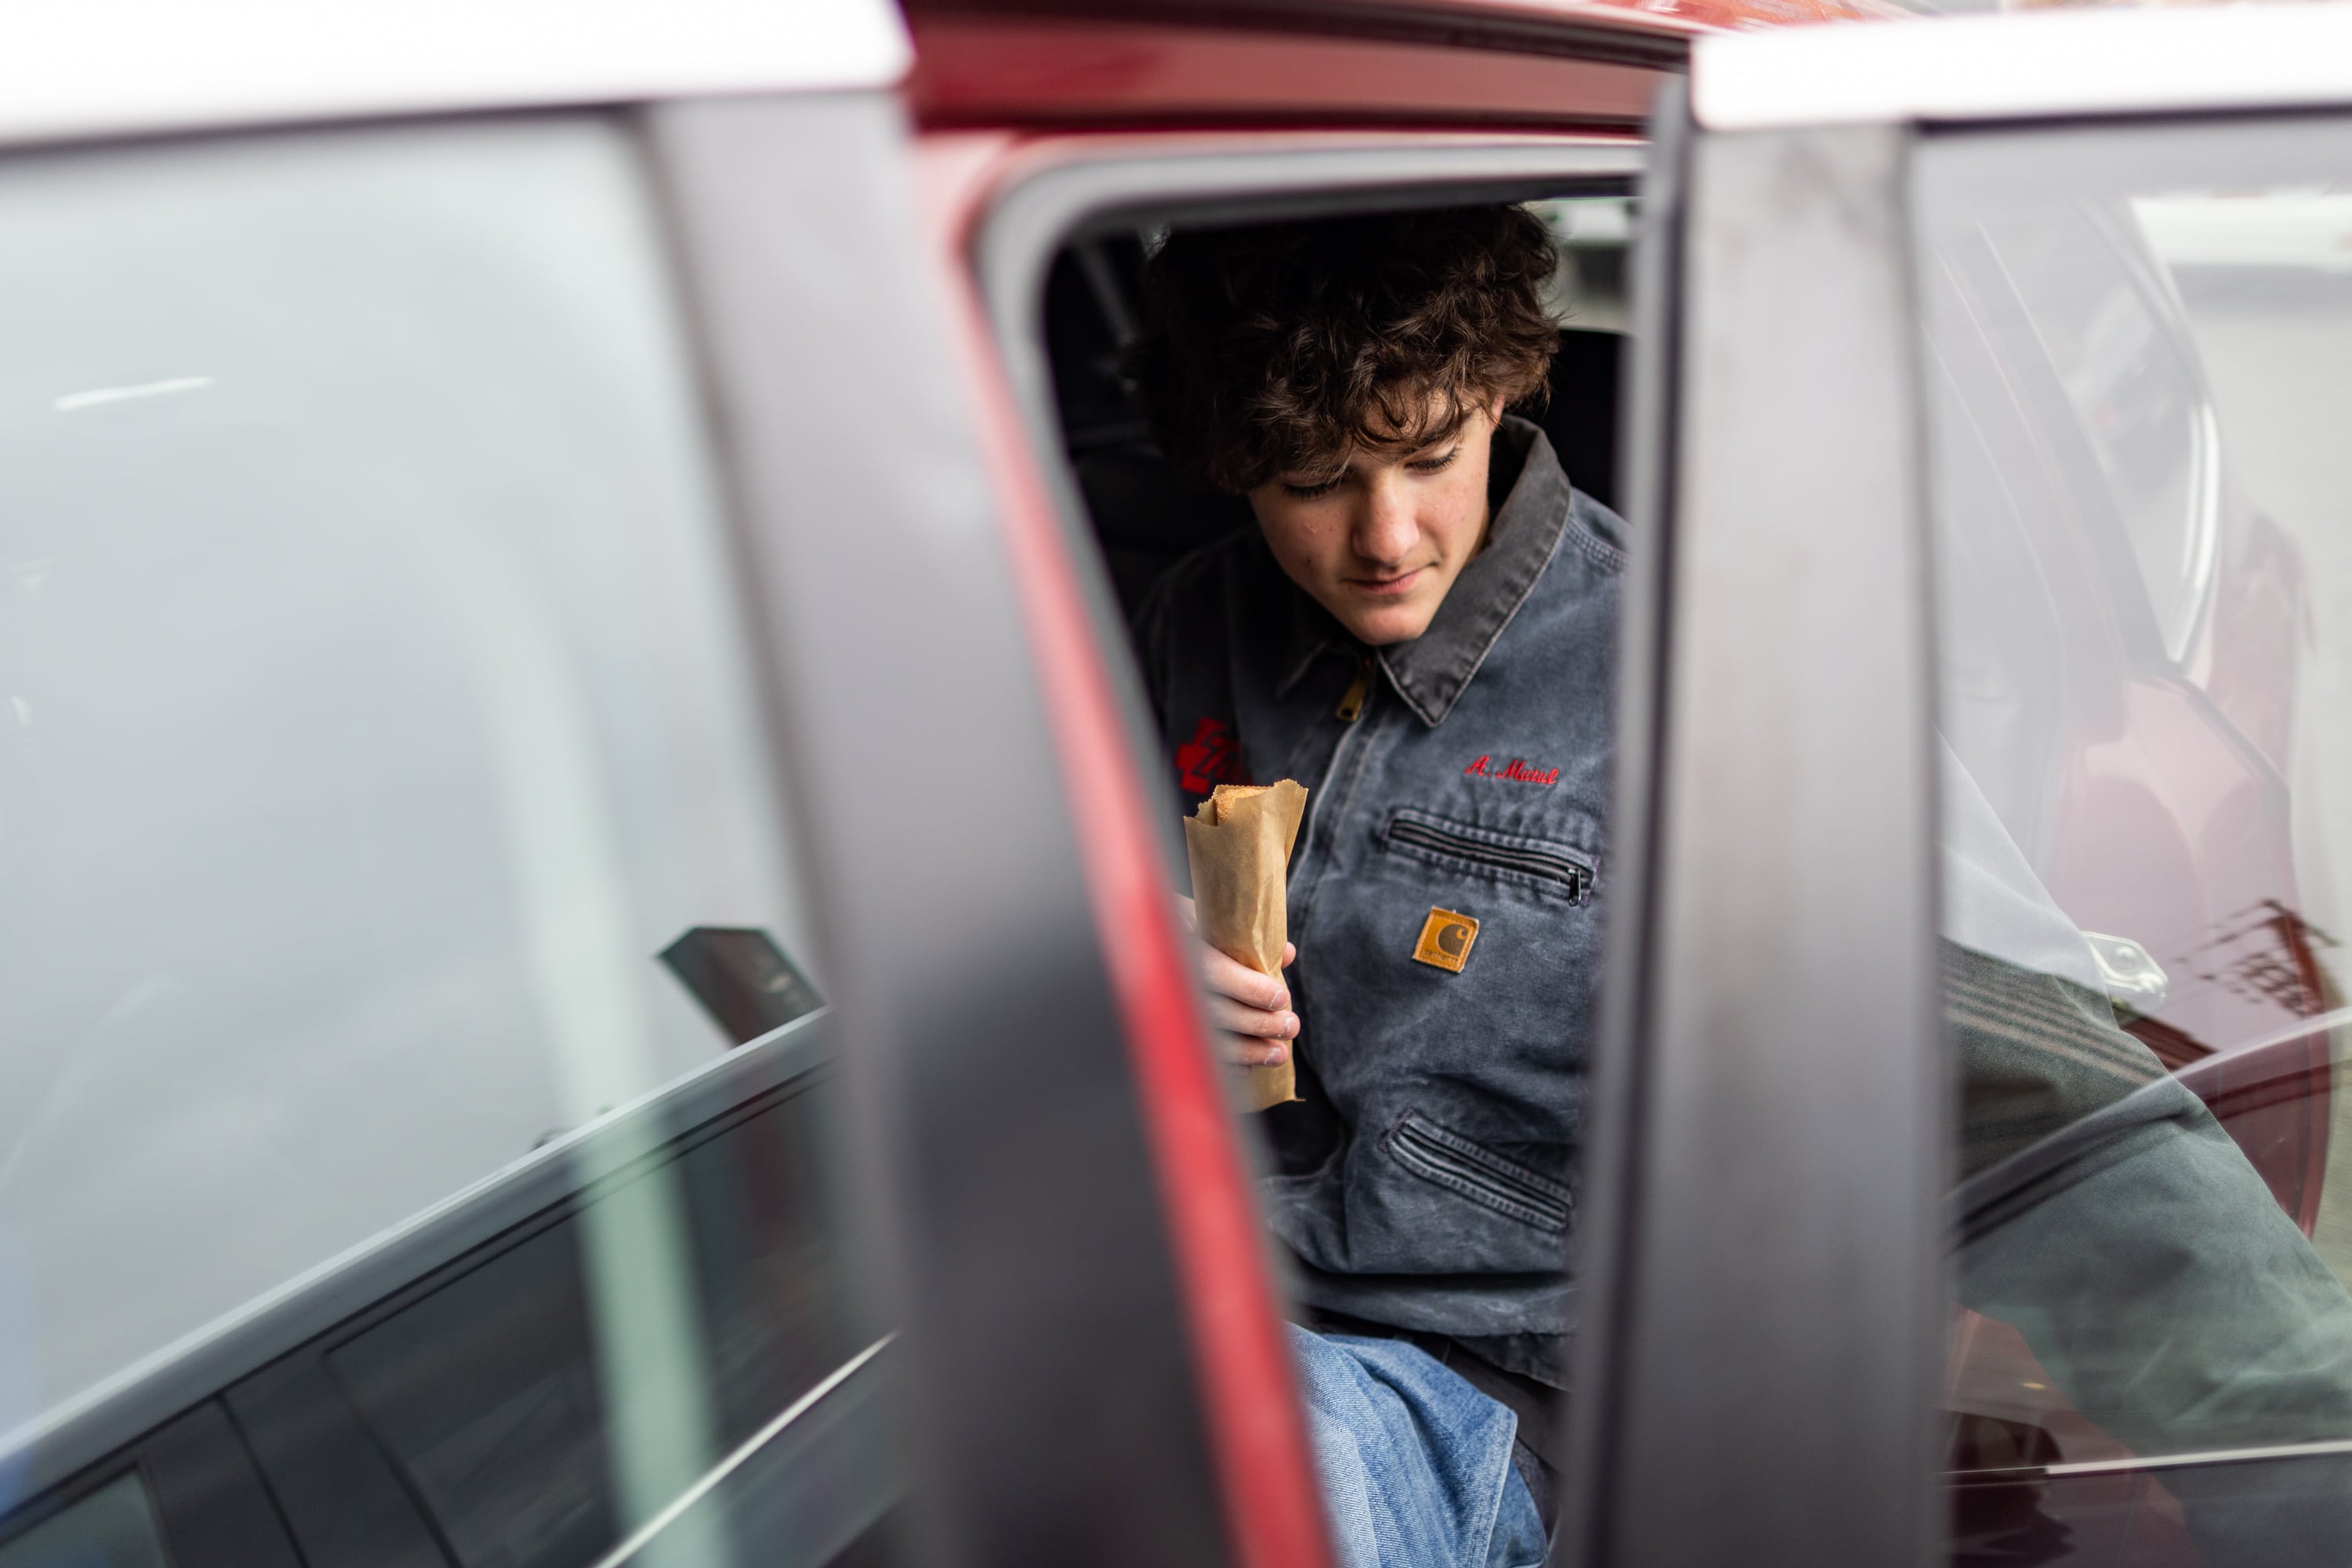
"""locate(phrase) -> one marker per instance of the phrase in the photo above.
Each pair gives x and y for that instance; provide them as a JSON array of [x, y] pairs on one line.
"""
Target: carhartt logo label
[[1445, 939], [1515, 771], [1209, 759]]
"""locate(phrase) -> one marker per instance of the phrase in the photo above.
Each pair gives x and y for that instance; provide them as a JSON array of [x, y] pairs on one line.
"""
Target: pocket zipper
[[1573, 875], [1421, 1146]]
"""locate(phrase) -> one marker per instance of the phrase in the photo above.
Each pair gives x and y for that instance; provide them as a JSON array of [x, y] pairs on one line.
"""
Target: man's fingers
[[1289, 954], [1185, 912], [1229, 978], [1234, 1018], [1251, 1011], [1257, 1052]]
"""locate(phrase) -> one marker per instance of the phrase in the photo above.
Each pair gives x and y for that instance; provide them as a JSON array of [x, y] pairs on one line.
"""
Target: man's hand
[[1252, 1011]]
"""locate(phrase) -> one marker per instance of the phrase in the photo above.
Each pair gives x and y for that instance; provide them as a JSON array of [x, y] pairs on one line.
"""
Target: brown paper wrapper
[[1239, 844]]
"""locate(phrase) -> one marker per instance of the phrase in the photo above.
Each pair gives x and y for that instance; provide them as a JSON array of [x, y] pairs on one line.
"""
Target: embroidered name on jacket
[[1515, 771], [1209, 759]]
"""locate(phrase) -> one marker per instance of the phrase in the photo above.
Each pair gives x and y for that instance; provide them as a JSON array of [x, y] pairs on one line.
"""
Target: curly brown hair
[[1280, 348]]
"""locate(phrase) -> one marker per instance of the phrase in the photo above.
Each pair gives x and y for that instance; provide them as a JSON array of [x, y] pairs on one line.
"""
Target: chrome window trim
[[2037, 65], [882, 1489], [2200, 1459]]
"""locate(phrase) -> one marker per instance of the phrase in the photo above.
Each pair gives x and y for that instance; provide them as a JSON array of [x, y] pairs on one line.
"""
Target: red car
[[542, 547]]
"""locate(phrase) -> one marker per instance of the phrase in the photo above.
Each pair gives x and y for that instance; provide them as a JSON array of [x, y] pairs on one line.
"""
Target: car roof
[[2029, 64], [1686, 16], [108, 67], [102, 68], [1537, 24]]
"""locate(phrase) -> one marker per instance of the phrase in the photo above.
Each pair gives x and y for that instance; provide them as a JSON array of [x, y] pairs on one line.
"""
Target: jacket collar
[[1430, 672]]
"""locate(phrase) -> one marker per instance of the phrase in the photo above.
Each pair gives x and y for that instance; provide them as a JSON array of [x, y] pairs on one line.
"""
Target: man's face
[[1380, 543]]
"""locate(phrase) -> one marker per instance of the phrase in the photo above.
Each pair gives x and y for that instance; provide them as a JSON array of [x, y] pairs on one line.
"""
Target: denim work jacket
[[1445, 896]]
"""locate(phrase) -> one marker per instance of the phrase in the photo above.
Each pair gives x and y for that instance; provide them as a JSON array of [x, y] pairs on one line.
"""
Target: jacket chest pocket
[[1542, 865]]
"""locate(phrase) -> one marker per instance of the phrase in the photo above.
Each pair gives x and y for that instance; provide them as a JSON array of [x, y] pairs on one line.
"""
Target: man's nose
[[1385, 528]]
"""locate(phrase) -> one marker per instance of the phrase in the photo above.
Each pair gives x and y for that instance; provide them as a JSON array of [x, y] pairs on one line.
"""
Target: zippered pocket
[[1555, 868], [1478, 1174]]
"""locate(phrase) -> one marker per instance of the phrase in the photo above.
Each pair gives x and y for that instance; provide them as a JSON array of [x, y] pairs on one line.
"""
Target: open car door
[[1972, 1174]]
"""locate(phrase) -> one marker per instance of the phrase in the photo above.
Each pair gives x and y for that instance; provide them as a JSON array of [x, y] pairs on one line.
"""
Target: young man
[[1421, 630]]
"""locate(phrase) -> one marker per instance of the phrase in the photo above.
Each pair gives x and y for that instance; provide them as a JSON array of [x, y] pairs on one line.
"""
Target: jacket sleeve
[[2106, 1216]]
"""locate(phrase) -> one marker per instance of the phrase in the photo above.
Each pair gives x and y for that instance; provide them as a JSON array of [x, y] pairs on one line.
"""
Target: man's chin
[[1389, 623]]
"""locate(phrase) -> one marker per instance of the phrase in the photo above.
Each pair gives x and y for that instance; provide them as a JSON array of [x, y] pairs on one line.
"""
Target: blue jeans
[[1415, 1464]]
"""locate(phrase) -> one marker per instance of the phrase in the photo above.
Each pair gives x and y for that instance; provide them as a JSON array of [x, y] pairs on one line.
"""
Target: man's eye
[[1434, 464], [1309, 492]]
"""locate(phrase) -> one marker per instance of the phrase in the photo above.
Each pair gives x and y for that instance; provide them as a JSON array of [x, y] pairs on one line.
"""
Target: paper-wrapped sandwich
[[1239, 844]]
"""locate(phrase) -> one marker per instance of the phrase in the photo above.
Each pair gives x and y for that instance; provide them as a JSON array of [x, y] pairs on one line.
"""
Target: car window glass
[[1594, 235], [2134, 375], [532, 1417], [375, 709], [2109, 332], [114, 1527]]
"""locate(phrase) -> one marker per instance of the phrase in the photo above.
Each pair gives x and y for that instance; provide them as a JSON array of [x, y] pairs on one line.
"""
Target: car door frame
[[1029, 1088], [1761, 1267], [1062, 192], [1767, 1277], [1655, 1242]]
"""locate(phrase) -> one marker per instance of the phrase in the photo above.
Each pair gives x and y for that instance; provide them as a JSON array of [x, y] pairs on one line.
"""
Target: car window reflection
[[2145, 807]]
